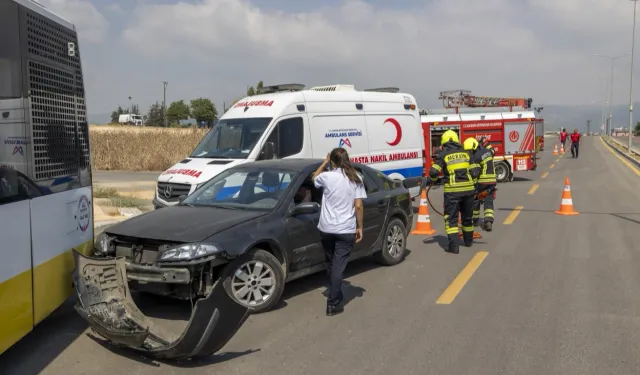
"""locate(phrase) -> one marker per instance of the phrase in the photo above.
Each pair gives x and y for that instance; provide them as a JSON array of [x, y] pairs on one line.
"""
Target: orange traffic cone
[[555, 149], [566, 206], [423, 226], [561, 149], [476, 235]]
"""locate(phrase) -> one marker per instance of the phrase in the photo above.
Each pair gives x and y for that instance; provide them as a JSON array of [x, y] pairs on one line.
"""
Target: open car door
[[105, 302]]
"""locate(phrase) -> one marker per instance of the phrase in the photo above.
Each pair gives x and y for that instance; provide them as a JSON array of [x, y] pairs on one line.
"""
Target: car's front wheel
[[395, 243], [255, 280]]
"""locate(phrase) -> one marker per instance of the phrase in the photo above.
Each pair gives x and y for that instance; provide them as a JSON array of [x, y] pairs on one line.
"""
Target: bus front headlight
[[103, 244], [189, 251]]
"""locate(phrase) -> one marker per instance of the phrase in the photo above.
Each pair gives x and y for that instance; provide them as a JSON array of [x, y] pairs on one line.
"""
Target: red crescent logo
[[395, 123]]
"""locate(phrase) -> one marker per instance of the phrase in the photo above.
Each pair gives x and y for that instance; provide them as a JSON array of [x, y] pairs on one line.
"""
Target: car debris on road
[[104, 301]]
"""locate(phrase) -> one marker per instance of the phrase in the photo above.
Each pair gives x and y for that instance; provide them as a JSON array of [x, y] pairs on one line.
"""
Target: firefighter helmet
[[449, 135], [470, 144]]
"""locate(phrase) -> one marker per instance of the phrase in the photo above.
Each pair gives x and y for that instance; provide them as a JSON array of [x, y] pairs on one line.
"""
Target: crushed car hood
[[182, 223], [104, 301]]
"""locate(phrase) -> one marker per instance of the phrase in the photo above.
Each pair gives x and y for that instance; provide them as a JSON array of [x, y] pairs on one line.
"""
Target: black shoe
[[453, 249], [468, 238], [334, 309], [488, 226]]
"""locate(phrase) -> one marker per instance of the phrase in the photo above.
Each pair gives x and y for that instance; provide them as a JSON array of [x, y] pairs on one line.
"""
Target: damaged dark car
[[250, 230]]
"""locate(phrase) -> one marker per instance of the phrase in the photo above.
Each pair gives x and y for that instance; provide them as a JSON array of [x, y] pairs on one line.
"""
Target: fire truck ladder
[[463, 98]]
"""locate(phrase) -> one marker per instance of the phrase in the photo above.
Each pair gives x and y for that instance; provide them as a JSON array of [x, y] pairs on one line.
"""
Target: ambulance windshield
[[232, 138]]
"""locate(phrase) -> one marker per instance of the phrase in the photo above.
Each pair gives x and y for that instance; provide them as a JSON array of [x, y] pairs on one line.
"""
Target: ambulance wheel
[[502, 171], [394, 243]]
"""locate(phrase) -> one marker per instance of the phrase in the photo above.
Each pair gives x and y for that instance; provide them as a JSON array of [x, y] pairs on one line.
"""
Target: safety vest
[[484, 159], [459, 169]]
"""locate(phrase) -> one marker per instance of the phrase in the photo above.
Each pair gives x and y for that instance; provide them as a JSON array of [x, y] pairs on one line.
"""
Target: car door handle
[[382, 204]]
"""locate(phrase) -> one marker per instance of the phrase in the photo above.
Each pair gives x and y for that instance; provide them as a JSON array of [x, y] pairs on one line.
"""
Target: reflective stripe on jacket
[[459, 167]]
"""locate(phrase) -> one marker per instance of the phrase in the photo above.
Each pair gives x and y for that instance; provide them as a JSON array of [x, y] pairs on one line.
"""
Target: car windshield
[[243, 188], [232, 138]]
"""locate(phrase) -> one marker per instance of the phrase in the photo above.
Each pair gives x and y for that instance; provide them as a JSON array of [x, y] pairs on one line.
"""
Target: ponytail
[[340, 159]]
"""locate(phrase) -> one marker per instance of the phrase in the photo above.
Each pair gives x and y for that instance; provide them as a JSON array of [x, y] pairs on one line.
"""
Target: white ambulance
[[378, 127]]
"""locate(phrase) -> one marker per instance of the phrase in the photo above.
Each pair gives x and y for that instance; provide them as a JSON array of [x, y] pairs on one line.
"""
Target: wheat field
[[136, 149]]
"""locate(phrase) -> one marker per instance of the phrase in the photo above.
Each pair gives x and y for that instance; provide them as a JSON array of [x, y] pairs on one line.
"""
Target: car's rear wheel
[[394, 244], [255, 280]]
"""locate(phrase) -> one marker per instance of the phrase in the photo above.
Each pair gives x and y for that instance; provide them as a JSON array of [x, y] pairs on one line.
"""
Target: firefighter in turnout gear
[[459, 171], [486, 182]]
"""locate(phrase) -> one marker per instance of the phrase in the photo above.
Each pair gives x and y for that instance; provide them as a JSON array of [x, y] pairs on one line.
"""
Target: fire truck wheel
[[502, 171]]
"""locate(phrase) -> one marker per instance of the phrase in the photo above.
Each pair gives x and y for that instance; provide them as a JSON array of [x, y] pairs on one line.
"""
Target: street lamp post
[[613, 59], [164, 104], [633, 40]]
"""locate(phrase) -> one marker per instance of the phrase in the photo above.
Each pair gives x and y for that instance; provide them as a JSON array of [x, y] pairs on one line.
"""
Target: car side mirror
[[306, 208], [268, 151], [182, 198]]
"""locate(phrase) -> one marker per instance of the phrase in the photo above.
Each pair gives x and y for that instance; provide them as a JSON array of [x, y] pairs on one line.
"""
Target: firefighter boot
[[468, 238], [453, 246], [488, 226]]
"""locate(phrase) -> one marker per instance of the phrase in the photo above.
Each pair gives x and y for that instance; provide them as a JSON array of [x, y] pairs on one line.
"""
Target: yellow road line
[[626, 162], [533, 189], [551, 166], [513, 215], [461, 280], [544, 175]]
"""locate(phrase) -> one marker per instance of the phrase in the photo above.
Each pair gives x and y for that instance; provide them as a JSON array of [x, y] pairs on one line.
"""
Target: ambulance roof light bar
[[338, 87], [287, 87], [392, 90]]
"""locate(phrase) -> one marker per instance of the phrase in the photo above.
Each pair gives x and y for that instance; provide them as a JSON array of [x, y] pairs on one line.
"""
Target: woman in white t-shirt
[[340, 218]]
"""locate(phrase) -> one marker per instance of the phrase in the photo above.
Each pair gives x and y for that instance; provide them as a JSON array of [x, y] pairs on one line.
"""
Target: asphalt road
[[553, 295]]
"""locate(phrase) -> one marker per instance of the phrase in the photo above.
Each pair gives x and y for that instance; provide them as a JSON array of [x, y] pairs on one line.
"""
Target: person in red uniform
[[563, 138], [575, 143]]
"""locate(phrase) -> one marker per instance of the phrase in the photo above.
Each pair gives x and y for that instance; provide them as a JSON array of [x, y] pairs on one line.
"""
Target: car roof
[[297, 164]]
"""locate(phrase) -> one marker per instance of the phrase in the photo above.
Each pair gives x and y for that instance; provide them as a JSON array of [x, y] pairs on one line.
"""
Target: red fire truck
[[512, 134]]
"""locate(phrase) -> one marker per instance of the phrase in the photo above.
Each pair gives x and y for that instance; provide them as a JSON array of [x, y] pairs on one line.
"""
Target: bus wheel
[[502, 171]]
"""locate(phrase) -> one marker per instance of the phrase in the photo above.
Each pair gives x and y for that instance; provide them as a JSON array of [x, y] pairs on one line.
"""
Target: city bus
[[45, 166]]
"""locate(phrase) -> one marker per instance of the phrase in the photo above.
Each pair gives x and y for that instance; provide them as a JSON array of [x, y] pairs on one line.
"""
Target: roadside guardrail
[[635, 160]]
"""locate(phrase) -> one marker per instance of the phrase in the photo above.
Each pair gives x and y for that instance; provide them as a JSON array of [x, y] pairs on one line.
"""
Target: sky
[[543, 49]]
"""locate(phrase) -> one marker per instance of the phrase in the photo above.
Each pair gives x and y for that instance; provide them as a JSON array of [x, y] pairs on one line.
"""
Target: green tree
[[251, 91], [637, 128], [135, 109], [115, 115], [177, 111], [155, 117], [203, 109]]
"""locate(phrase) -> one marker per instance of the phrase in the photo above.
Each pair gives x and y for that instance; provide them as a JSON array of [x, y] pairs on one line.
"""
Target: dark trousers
[[564, 145], [337, 248], [453, 206], [487, 203], [575, 147]]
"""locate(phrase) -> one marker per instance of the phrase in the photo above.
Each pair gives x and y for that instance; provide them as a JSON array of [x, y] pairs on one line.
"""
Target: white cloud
[[537, 48], [92, 25]]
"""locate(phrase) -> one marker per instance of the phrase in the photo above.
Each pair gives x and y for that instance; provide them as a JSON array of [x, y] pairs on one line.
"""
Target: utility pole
[[588, 127], [164, 104], [633, 39], [613, 59]]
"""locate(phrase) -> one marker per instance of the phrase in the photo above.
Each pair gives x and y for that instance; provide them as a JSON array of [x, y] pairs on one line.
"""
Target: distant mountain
[[571, 117], [99, 118]]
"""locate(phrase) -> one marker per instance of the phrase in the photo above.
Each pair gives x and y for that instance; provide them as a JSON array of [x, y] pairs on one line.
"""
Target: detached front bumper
[[104, 301]]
